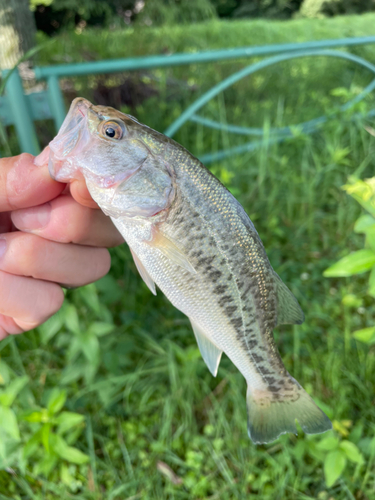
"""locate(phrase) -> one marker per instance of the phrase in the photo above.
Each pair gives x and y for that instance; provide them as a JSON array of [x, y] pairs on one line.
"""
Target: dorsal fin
[[289, 311], [210, 353]]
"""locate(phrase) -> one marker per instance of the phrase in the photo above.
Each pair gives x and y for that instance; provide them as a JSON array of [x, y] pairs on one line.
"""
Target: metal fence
[[22, 109]]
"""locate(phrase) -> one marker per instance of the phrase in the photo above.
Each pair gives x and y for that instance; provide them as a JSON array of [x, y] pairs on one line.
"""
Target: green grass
[[93, 44], [139, 381], [286, 93], [145, 391], [282, 94]]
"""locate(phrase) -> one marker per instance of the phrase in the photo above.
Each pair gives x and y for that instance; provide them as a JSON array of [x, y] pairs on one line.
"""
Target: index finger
[[24, 184]]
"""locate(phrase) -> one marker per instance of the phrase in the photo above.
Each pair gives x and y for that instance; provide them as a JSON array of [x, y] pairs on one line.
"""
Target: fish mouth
[[72, 138], [77, 112], [70, 152]]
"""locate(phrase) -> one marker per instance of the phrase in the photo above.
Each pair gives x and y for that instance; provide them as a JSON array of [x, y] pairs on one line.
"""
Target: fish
[[190, 236]]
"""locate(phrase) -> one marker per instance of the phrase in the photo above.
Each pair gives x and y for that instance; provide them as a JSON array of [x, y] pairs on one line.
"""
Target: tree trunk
[[17, 31]]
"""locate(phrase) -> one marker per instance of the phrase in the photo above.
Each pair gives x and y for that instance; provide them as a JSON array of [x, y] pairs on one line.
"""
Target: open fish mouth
[[72, 149], [77, 112], [72, 139]]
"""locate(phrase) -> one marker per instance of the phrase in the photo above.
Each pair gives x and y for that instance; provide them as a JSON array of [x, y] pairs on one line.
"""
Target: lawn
[[110, 399]]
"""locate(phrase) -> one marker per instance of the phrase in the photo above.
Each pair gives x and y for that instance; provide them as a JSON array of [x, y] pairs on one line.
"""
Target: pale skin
[[50, 235]]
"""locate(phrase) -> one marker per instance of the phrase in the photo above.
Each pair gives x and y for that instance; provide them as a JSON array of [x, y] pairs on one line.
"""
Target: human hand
[[46, 239]]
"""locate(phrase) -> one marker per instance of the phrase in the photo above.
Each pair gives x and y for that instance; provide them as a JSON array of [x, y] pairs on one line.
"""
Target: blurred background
[[110, 399]]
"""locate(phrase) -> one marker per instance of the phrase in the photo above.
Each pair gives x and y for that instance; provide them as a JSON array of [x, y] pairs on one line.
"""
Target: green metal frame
[[22, 110], [281, 133], [19, 109]]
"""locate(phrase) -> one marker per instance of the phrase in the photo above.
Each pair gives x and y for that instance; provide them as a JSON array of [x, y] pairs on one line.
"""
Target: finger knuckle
[[67, 222], [81, 231], [80, 223], [26, 250], [25, 157], [117, 238], [50, 302], [100, 264], [104, 263], [55, 299]]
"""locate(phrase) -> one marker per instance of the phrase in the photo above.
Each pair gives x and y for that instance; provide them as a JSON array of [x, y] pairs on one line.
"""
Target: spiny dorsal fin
[[144, 274], [210, 353], [289, 311]]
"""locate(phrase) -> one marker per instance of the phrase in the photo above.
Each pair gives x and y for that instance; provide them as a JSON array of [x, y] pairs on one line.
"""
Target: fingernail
[[3, 247], [32, 218]]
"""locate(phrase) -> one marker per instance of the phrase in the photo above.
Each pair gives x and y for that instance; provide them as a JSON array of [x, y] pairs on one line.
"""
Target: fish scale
[[191, 237], [222, 202]]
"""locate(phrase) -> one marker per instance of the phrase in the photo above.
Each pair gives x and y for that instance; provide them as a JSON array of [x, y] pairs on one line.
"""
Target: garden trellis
[[21, 110]]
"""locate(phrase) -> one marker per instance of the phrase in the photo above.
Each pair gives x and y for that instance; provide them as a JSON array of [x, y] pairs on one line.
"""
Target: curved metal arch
[[214, 91], [287, 131], [252, 146]]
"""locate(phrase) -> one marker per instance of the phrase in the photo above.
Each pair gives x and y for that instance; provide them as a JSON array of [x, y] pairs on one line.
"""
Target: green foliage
[[96, 44], [53, 429], [158, 425], [287, 9], [225, 8], [159, 96], [355, 263], [319, 8], [170, 12], [267, 8], [56, 15], [38, 437], [360, 261], [9, 425], [339, 452], [114, 385], [366, 335], [35, 3]]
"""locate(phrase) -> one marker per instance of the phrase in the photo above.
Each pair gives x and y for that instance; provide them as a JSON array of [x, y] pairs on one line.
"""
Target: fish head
[[120, 159]]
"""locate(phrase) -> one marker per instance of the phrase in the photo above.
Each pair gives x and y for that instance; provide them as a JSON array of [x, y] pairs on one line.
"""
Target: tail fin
[[268, 417]]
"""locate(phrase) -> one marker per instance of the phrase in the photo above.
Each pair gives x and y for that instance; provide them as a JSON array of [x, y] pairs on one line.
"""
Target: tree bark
[[17, 31]]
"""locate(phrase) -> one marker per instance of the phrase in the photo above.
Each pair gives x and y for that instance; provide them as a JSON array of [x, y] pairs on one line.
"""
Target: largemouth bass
[[192, 238]]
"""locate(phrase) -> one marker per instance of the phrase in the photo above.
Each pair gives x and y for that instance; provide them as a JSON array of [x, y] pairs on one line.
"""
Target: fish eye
[[112, 130]]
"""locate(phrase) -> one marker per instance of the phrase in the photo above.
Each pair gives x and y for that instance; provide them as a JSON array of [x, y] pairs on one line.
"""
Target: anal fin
[[144, 274], [210, 353]]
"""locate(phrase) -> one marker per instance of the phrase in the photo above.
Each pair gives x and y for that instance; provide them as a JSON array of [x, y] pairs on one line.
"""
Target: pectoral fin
[[170, 250], [210, 353], [289, 311], [144, 274]]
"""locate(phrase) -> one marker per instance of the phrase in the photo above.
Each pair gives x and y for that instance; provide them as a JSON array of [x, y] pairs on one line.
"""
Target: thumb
[[24, 184]]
